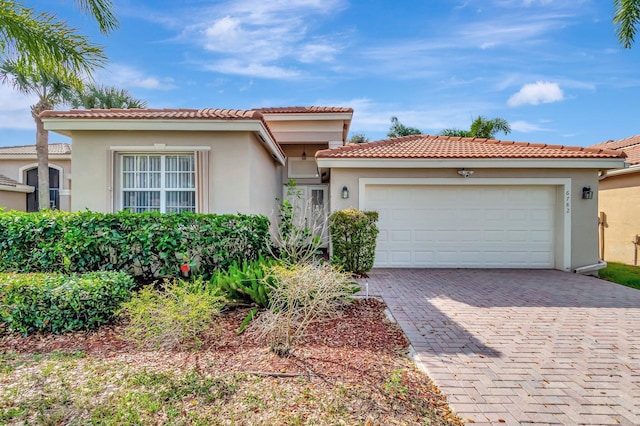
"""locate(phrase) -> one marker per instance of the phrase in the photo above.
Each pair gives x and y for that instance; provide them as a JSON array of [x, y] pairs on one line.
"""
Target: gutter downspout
[[589, 269]]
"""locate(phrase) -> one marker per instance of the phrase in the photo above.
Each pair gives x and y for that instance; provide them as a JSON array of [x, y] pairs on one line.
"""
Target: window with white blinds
[[158, 183]]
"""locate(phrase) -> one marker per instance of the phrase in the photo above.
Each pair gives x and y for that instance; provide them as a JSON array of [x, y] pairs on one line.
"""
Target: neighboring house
[[619, 205], [443, 202], [19, 166]]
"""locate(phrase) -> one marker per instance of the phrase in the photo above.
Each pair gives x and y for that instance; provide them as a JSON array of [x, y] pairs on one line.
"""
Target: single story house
[[19, 177], [443, 202], [619, 204]]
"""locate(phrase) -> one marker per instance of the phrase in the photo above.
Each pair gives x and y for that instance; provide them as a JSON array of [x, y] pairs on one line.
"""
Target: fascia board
[[628, 170], [515, 163], [33, 157], [18, 188], [306, 116]]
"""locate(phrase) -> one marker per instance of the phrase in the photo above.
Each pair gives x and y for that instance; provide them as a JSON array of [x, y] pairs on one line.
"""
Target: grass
[[73, 389], [620, 273]]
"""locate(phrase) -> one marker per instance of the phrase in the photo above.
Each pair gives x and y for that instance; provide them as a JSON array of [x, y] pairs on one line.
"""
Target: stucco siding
[[230, 162], [583, 213], [10, 200], [619, 200], [17, 169], [265, 184]]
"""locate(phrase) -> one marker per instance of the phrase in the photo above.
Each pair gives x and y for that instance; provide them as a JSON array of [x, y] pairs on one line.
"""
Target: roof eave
[[18, 188], [306, 116], [484, 163], [67, 126], [621, 171], [33, 156]]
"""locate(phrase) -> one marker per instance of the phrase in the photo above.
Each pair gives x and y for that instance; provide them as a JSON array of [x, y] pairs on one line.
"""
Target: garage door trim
[[565, 183]]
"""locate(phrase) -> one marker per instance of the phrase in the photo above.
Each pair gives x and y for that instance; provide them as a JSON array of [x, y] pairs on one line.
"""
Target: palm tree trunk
[[42, 153]]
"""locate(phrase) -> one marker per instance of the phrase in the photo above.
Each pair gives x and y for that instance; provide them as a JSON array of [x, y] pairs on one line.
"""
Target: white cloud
[[15, 111], [537, 93], [249, 37], [237, 67], [125, 76], [526, 127]]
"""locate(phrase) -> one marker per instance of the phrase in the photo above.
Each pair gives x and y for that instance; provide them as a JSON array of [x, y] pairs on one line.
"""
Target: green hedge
[[58, 303], [146, 245], [353, 239]]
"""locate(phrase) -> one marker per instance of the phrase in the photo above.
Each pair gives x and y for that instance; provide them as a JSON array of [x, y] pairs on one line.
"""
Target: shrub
[[146, 245], [353, 238], [302, 294], [171, 318], [245, 282], [59, 303], [298, 236]]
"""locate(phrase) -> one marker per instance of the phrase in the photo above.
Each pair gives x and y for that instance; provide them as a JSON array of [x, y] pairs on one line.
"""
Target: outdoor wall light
[[345, 192], [587, 193], [304, 155]]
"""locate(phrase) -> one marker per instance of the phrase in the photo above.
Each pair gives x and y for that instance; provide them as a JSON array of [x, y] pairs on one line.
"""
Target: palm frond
[[626, 19]]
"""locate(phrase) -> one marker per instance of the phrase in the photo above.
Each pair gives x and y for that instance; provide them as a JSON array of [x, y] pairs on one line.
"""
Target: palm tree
[[626, 18], [398, 129], [42, 41], [484, 128], [103, 97], [50, 89], [481, 127]]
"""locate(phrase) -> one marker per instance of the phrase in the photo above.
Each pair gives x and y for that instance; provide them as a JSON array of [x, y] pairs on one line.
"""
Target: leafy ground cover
[[352, 370], [620, 273]]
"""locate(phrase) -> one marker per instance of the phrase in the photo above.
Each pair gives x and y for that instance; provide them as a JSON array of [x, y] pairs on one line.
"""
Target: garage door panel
[[462, 226]]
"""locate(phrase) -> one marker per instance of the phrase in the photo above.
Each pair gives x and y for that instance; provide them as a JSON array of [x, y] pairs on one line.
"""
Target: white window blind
[[160, 183]]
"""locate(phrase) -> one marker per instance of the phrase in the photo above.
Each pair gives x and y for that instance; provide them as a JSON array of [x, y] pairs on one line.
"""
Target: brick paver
[[521, 346]]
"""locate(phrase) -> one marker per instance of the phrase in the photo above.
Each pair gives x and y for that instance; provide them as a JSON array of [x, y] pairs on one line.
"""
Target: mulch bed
[[360, 347]]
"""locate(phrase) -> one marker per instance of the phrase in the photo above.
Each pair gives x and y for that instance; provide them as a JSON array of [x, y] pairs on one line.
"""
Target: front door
[[33, 204], [311, 207]]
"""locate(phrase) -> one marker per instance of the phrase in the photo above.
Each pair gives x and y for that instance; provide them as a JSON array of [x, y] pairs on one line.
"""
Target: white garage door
[[464, 226]]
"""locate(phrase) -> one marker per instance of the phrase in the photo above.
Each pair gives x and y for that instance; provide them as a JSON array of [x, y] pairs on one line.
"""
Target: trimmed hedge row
[[146, 245], [59, 303]]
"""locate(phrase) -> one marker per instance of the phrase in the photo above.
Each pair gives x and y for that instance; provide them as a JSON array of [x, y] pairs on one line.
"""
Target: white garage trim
[[563, 263]]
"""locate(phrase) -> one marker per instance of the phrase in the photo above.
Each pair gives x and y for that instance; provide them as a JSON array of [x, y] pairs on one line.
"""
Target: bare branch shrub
[[302, 294], [301, 230]]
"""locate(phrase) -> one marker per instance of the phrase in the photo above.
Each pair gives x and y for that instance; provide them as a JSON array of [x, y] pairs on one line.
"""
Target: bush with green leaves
[[59, 303], [301, 295], [172, 317], [245, 282], [146, 245], [353, 239]]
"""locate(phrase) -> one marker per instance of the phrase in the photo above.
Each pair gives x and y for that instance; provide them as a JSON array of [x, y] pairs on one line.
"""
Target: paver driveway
[[522, 346]]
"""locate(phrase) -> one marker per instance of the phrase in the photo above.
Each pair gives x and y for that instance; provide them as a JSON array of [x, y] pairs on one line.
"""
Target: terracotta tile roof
[[630, 146], [302, 109], [150, 114], [54, 149], [426, 146], [7, 181]]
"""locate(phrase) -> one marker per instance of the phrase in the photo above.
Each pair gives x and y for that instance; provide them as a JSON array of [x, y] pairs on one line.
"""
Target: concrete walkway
[[522, 346]]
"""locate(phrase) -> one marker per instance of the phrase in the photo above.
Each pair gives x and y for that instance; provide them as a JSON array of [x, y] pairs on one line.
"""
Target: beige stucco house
[[443, 202], [19, 177], [619, 205]]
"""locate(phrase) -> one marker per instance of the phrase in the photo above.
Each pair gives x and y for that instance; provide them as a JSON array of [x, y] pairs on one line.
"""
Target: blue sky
[[552, 68]]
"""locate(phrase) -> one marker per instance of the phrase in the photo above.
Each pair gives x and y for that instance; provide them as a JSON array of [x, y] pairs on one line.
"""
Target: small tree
[[353, 237]]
